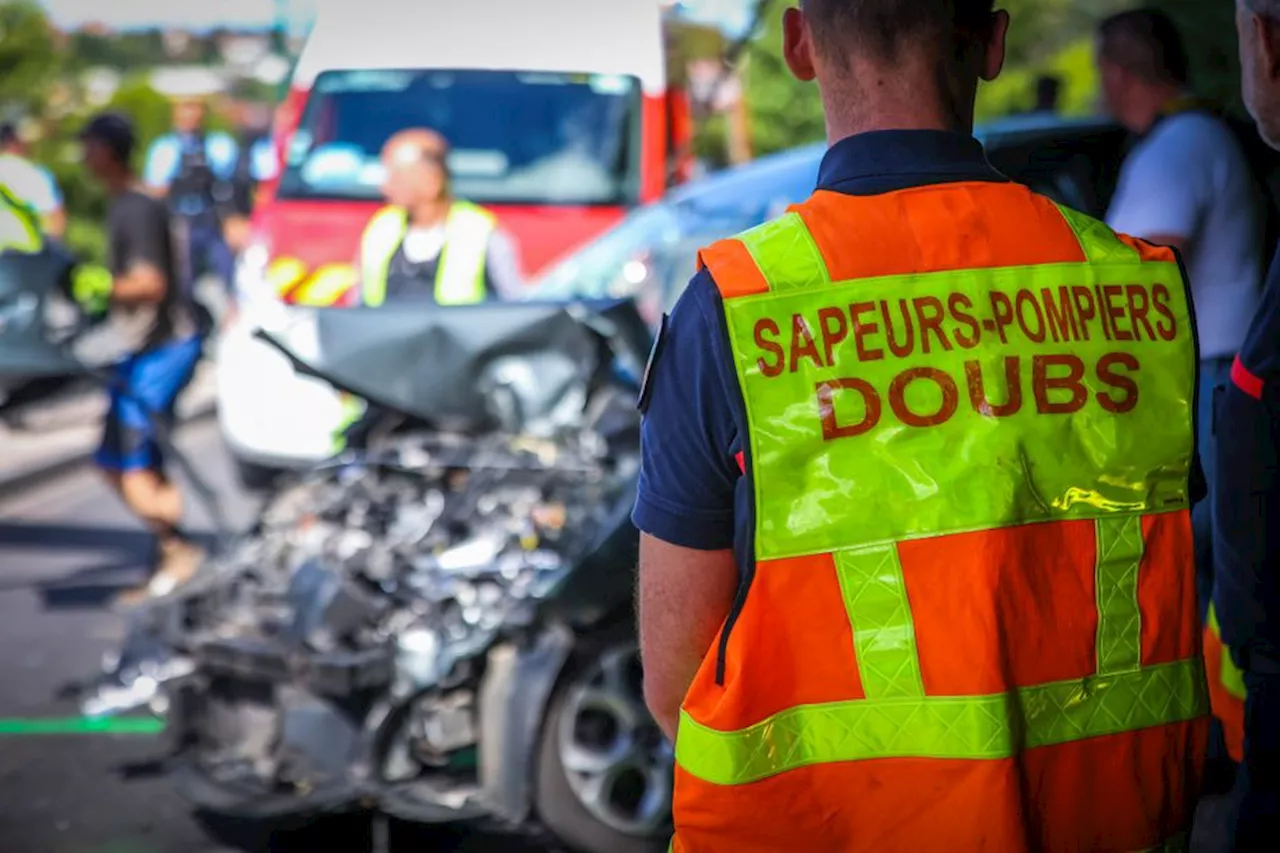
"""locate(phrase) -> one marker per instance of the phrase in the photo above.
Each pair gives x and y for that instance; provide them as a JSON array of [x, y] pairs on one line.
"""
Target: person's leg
[[135, 457]]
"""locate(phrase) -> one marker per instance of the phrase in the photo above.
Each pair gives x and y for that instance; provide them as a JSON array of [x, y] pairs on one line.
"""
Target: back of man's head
[[9, 137], [880, 29], [1146, 43]]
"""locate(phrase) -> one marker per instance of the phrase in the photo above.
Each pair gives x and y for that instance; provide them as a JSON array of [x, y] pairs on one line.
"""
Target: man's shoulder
[[1193, 139]]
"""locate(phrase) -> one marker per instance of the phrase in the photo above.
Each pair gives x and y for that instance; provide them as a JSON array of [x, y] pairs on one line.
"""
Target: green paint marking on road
[[81, 726]]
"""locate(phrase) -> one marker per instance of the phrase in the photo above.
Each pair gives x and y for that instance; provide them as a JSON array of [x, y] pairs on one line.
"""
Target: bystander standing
[[1186, 184], [152, 319], [30, 182]]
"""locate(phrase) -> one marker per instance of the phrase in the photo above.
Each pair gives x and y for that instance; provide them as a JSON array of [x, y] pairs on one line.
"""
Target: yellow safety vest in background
[[460, 275], [20, 229]]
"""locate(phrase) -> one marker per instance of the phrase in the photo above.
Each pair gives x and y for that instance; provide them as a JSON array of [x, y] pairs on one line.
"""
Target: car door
[[1077, 166]]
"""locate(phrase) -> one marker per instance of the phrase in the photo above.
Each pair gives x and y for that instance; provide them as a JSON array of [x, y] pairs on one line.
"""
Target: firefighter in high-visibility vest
[[916, 566], [426, 244]]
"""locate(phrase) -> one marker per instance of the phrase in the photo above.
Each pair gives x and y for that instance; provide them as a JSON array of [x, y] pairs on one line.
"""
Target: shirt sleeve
[[502, 267], [223, 154], [45, 197], [162, 163], [1162, 189], [1246, 491], [264, 165], [688, 472]]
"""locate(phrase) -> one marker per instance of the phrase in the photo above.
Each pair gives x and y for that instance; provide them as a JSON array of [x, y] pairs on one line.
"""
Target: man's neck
[[881, 100], [119, 183], [429, 214]]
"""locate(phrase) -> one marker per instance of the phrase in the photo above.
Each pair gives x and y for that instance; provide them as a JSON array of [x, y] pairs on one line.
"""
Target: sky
[[207, 13]]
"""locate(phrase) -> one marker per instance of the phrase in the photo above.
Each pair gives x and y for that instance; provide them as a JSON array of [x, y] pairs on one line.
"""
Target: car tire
[[255, 478], [556, 795]]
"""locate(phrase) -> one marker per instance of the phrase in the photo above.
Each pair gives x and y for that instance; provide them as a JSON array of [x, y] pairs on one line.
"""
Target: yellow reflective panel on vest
[[20, 229], [959, 401], [461, 271]]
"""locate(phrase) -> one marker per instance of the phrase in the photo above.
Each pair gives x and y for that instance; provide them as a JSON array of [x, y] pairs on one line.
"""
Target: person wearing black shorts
[[155, 322]]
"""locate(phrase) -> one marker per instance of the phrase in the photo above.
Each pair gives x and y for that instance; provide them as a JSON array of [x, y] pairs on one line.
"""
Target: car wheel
[[605, 770], [254, 478]]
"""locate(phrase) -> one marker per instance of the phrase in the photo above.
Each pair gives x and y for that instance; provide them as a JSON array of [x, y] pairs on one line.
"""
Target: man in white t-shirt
[[1185, 184], [30, 182]]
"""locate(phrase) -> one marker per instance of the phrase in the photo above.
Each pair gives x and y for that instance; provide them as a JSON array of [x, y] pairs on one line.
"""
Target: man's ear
[[1268, 33], [993, 62], [797, 45]]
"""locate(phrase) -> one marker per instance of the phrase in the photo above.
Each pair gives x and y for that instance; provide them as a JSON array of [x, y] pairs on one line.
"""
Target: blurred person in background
[[1245, 683], [31, 182], [256, 163], [192, 169], [1048, 91], [428, 244], [1186, 184], [152, 318]]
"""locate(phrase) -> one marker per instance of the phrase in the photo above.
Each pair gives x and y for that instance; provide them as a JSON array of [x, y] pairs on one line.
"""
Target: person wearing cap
[[31, 182], [154, 323], [427, 244], [193, 170], [916, 562]]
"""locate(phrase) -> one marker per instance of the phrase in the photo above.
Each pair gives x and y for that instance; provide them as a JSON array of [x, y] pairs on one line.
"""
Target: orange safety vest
[[969, 620]]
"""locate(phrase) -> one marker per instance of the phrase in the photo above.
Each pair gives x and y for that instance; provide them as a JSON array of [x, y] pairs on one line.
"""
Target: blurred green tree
[[1046, 37], [1210, 33], [29, 58]]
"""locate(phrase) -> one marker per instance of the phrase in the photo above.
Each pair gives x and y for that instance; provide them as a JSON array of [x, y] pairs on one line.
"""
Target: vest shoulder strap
[[1101, 245], [777, 255], [471, 216], [388, 223]]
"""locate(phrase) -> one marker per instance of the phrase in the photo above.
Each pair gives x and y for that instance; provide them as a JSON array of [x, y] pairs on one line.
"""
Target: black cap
[[113, 130]]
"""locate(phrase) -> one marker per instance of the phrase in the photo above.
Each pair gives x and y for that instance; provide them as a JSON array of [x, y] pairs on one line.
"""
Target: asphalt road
[[66, 548]]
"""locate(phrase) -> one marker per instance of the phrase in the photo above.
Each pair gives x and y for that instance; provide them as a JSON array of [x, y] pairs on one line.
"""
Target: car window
[[1075, 168], [652, 254]]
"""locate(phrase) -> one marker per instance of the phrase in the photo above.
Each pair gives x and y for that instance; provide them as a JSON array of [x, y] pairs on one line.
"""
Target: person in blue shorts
[[154, 321]]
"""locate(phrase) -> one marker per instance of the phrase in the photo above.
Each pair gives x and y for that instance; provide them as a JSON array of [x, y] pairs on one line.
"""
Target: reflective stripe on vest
[[20, 229], [324, 287], [461, 271], [1227, 692], [907, 412]]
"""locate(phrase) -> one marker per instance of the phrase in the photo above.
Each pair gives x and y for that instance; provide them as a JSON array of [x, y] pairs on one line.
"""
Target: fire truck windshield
[[516, 137]]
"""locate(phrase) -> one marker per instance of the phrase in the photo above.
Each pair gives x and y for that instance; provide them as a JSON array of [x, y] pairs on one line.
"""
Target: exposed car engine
[[343, 650]]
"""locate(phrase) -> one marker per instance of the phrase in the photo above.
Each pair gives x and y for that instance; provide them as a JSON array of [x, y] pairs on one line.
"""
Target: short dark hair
[[881, 26], [8, 133], [1146, 43], [115, 132]]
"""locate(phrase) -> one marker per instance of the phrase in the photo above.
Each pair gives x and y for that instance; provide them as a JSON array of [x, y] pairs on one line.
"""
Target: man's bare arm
[[685, 596], [142, 283]]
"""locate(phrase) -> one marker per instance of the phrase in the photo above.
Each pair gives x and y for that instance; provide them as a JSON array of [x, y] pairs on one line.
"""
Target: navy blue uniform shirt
[[1246, 502], [1246, 508], [694, 419]]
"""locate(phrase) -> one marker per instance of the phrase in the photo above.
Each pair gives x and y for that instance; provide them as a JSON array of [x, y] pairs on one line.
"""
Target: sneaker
[[178, 562]]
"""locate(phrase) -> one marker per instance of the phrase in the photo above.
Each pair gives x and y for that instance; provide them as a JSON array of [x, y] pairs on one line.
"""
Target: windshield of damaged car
[[515, 137]]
